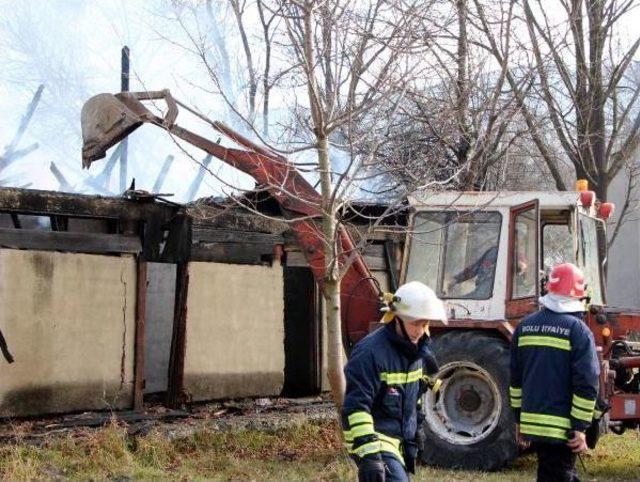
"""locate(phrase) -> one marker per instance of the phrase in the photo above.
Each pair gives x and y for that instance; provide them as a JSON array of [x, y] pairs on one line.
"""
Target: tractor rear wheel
[[468, 423]]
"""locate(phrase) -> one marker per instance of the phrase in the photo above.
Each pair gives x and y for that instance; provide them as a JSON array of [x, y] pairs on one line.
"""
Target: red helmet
[[566, 280]]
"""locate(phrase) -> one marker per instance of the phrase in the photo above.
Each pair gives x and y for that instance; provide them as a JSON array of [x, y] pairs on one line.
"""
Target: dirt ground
[[268, 414], [252, 439]]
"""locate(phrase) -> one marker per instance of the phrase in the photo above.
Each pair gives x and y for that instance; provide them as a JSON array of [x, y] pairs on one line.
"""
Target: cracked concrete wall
[[235, 331], [69, 321]]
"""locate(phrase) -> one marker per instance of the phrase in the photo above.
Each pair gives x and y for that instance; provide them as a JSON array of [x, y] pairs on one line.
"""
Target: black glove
[[597, 426], [592, 433], [410, 453], [371, 470], [421, 439]]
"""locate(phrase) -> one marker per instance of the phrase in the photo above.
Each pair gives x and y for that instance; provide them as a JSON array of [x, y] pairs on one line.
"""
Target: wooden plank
[[100, 419], [390, 252], [162, 174], [178, 243], [195, 185], [233, 253], [32, 201], [68, 241], [209, 217], [234, 236], [175, 390], [141, 319]]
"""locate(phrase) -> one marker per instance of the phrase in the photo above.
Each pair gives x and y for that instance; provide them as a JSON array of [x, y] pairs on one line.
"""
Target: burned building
[[108, 300]]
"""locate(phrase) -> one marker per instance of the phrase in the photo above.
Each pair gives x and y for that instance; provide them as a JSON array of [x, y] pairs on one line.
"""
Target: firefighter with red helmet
[[554, 376]]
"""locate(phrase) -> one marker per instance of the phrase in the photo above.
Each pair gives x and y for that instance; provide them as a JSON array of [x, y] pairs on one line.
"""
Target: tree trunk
[[463, 144], [601, 191], [335, 360], [331, 288]]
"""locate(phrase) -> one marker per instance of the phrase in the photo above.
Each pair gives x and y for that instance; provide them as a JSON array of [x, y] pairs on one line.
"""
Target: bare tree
[[338, 68], [213, 35], [581, 90], [355, 61], [464, 118]]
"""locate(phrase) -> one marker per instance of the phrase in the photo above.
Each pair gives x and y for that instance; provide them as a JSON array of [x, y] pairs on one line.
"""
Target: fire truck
[[485, 253]]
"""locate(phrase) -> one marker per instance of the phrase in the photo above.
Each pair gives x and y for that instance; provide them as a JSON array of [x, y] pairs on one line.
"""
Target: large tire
[[469, 424]]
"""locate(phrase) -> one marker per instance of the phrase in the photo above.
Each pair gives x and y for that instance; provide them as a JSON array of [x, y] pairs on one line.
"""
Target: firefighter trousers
[[395, 470], [556, 463]]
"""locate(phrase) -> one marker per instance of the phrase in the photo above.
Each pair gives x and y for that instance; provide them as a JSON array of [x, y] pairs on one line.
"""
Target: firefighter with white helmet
[[386, 375]]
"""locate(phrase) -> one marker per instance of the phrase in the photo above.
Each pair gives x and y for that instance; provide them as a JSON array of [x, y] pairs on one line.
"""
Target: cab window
[[523, 271], [588, 259], [557, 246], [455, 252]]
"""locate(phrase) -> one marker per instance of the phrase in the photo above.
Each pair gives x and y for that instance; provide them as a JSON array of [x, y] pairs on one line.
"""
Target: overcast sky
[[73, 48]]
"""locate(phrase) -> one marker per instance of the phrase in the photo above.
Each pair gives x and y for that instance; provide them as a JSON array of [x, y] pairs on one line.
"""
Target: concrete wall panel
[[161, 288], [69, 320], [235, 331]]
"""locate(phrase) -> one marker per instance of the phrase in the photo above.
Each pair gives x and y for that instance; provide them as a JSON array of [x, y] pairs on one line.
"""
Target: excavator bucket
[[106, 120]]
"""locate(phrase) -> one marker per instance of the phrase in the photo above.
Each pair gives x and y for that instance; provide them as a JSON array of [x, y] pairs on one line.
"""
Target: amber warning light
[[582, 185]]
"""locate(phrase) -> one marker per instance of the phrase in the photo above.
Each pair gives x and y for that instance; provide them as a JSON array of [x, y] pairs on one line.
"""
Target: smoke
[[73, 49]]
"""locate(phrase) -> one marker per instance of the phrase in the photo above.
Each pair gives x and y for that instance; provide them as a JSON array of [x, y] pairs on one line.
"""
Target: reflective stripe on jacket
[[383, 377], [554, 375]]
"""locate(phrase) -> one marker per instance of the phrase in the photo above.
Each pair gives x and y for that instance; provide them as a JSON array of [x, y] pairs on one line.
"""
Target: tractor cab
[[488, 253]]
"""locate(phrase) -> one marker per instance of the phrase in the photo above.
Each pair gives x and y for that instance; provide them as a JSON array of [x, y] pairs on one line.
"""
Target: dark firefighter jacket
[[384, 382], [554, 375]]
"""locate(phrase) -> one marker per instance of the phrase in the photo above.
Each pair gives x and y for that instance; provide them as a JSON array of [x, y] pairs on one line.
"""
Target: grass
[[306, 452]]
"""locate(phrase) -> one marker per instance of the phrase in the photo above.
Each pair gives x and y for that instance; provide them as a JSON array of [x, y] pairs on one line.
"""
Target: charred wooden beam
[[162, 174], [208, 217], [141, 318], [178, 242], [208, 235], [24, 123], [64, 185], [59, 223], [11, 157], [390, 256], [16, 221], [36, 202], [68, 241], [176, 395], [234, 253], [102, 179], [195, 185]]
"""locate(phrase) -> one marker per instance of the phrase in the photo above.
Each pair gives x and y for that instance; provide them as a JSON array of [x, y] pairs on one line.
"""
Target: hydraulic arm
[[108, 118]]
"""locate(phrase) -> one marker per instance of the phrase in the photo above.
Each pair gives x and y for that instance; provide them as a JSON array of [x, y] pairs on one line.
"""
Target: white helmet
[[416, 301]]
